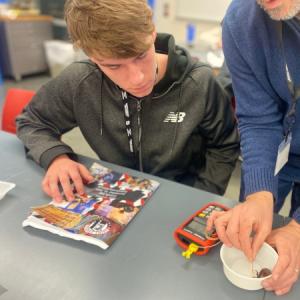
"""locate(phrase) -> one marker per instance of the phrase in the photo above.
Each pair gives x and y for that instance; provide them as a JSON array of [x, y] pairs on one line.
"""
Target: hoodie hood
[[179, 63]]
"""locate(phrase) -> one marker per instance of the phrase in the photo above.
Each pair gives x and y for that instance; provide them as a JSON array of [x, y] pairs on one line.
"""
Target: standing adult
[[261, 41]]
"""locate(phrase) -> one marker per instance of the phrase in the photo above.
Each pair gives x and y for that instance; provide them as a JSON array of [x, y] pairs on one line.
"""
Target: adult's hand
[[286, 240], [65, 172], [247, 225]]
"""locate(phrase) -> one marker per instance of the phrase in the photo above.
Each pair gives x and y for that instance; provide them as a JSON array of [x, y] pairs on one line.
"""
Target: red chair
[[15, 101]]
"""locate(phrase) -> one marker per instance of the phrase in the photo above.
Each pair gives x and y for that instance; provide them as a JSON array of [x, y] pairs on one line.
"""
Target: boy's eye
[[141, 56], [113, 67]]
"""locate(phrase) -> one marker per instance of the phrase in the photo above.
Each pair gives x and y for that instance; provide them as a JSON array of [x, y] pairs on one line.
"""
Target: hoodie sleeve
[[219, 129], [47, 117]]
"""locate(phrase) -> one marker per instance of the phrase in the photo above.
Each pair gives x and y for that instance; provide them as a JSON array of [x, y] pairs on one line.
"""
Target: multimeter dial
[[197, 226], [193, 231]]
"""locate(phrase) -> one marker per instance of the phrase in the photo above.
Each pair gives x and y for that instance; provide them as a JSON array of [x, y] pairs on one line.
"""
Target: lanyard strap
[[127, 120], [129, 128], [290, 117]]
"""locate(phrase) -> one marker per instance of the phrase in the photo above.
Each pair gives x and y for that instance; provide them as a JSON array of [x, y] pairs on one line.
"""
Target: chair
[[15, 101]]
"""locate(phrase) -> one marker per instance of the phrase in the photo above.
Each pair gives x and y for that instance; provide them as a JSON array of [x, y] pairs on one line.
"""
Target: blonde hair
[[110, 28]]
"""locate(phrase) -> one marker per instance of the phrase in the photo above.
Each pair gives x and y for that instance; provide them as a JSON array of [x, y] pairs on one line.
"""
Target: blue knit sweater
[[255, 59]]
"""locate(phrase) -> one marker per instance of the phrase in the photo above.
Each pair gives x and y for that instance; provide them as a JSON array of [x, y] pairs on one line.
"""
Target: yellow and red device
[[191, 235]]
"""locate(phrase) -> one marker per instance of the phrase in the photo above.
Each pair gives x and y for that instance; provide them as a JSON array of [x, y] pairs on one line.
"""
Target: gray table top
[[143, 263]]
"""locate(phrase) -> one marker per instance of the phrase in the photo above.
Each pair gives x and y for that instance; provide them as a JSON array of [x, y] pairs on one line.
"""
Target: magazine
[[100, 215], [5, 187]]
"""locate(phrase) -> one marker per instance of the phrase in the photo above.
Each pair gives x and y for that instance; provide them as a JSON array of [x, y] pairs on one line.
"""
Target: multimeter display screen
[[196, 227]]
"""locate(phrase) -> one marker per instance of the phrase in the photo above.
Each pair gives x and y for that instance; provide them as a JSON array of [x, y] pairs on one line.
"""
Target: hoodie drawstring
[[177, 116], [101, 108]]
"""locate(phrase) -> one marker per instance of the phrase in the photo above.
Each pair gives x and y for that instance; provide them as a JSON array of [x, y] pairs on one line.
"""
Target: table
[[143, 263]]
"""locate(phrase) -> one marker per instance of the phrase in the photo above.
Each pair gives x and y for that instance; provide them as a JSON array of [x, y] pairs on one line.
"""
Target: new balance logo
[[175, 117]]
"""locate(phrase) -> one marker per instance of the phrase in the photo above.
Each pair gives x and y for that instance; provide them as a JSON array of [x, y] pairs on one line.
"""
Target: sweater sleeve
[[258, 111], [296, 215]]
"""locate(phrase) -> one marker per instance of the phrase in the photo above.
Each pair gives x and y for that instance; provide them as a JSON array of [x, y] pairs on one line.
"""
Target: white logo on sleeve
[[175, 117]]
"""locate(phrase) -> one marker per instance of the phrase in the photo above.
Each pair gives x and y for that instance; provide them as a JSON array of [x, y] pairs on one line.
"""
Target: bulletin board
[[211, 10]]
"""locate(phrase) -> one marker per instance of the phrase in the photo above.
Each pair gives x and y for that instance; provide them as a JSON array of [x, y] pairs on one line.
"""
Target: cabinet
[[21, 45], [55, 8]]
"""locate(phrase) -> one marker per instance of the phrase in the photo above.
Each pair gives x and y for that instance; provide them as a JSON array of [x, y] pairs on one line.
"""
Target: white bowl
[[238, 269]]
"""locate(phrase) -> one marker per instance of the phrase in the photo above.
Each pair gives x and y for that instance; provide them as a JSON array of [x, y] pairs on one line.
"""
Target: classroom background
[[31, 55]]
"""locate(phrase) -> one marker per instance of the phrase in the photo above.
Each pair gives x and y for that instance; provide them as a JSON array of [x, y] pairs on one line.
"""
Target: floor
[[75, 139]]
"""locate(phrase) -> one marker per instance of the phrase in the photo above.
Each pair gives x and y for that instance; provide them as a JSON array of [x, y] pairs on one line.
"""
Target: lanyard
[[129, 127], [290, 117], [127, 120]]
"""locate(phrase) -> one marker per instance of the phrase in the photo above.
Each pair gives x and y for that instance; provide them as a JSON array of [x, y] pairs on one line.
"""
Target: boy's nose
[[136, 77]]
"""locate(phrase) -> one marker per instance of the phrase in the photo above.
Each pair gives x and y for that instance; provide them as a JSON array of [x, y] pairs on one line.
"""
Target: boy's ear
[[154, 35], [92, 59]]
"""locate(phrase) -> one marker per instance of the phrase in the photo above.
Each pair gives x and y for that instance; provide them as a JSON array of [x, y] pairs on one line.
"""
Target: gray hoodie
[[188, 131]]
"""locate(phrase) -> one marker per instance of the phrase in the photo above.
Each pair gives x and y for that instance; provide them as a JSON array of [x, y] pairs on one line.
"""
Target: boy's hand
[[65, 172]]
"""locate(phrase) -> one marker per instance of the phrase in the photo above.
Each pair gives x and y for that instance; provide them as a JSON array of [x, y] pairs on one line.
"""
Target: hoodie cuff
[[257, 180], [48, 156]]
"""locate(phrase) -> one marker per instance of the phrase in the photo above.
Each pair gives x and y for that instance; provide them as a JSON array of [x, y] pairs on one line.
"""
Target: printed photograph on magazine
[[99, 216]]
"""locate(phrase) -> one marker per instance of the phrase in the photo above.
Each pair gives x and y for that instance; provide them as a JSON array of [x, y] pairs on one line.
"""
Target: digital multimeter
[[191, 235]]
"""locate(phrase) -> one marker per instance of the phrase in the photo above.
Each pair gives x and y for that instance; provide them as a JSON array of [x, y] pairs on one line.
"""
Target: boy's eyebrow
[[99, 61], [107, 63], [102, 62]]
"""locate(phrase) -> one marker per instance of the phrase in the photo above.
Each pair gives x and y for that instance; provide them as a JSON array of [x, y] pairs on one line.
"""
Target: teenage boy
[[140, 102]]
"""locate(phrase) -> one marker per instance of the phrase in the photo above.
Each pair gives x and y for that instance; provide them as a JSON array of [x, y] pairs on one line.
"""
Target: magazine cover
[[99, 216]]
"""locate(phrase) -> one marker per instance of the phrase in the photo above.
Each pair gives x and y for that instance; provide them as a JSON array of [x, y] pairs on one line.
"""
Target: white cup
[[238, 269]]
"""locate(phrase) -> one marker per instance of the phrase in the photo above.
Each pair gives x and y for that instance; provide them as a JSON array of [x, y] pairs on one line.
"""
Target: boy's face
[[280, 9], [135, 75]]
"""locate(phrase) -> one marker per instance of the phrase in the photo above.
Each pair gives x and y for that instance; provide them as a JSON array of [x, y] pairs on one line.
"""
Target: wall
[[166, 21], [207, 32]]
